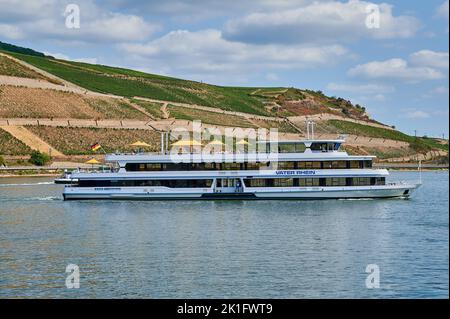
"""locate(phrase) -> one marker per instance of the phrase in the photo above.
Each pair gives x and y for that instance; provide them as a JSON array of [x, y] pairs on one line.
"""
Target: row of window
[[181, 183], [306, 182], [134, 167], [232, 182], [300, 147]]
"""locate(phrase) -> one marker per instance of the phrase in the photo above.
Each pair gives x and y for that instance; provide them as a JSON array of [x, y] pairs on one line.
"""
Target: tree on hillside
[[39, 159]]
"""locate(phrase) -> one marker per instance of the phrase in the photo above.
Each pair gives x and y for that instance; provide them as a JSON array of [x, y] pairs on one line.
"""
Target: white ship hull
[[299, 193]]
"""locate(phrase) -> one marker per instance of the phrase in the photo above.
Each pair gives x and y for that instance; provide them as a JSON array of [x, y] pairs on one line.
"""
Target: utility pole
[[415, 133], [310, 129]]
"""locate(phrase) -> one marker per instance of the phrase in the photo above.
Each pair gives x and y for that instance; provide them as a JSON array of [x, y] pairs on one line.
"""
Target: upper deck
[[264, 151]]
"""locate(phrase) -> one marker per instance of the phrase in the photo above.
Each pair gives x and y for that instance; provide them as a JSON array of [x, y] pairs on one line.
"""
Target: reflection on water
[[189, 249]]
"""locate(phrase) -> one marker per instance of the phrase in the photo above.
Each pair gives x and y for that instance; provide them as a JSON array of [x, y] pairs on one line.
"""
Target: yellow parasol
[[140, 144], [92, 161], [187, 143], [242, 142]]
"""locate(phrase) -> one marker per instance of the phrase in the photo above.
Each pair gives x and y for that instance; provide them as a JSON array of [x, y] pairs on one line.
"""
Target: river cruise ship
[[304, 169]]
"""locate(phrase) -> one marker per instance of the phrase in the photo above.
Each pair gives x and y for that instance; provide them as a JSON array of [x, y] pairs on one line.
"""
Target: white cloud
[[45, 20], [442, 10], [430, 58], [417, 114], [205, 52], [379, 97], [272, 77], [10, 31], [394, 69], [360, 88], [440, 90], [329, 21], [20, 10]]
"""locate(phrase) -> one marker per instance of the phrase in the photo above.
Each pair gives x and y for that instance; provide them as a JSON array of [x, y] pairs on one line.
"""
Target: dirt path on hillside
[[31, 140], [165, 111], [37, 84], [300, 120], [40, 71], [213, 109], [41, 84], [140, 109]]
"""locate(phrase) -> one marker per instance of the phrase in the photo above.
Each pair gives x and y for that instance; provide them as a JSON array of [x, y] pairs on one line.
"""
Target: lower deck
[[240, 192]]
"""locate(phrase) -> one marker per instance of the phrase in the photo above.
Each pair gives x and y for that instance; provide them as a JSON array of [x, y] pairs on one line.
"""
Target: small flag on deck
[[95, 147]]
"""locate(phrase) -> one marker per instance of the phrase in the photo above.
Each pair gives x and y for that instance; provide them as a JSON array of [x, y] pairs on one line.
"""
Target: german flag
[[95, 147]]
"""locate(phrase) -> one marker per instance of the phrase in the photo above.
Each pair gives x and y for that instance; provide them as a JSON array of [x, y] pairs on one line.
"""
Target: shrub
[[419, 146], [39, 159], [2, 161]]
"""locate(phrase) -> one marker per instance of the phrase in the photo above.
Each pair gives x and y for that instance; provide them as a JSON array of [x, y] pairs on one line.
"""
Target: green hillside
[[276, 101], [131, 83]]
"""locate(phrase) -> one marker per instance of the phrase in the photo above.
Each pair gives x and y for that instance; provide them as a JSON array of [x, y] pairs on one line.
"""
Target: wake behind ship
[[303, 169]]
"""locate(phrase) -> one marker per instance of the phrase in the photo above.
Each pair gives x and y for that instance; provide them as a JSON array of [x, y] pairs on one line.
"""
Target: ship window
[[335, 165], [316, 165], [269, 182], [339, 164], [300, 147], [326, 165], [252, 166], [286, 165], [286, 148], [361, 181], [292, 148], [257, 182], [309, 182], [303, 165], [319, 147], [283, 182], [335, 181], [354, 164]]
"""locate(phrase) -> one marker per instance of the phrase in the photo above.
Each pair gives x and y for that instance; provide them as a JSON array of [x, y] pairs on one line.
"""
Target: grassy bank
[[418, 144], [131, 83]]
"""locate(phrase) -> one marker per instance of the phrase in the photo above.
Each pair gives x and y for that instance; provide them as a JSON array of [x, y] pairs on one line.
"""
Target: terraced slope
[[130, 83], [76, 140], [22, 102]]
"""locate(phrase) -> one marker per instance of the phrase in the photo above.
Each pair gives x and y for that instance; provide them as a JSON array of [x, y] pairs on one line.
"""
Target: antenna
[[420, 171]]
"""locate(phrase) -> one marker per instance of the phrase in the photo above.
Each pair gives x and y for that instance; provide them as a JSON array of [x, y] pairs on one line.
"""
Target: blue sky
[[399, 71]]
